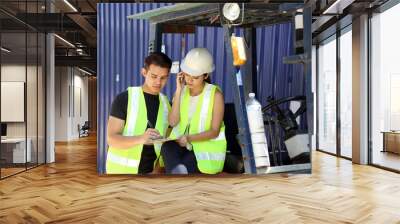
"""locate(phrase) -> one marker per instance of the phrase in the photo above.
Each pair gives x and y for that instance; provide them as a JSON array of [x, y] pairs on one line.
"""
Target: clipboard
[[161, 140]]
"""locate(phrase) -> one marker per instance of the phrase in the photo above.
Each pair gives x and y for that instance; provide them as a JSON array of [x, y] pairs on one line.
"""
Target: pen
[[149, 124]]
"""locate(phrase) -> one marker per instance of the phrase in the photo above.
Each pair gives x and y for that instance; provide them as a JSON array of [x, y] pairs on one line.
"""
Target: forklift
[[288, 122]]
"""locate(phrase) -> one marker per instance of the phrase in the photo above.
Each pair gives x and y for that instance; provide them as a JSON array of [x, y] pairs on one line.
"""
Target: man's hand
[[149, 135]]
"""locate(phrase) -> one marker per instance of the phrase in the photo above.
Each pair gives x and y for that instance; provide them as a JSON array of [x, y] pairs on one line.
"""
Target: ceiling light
[[84, 71], [70, 5], [65, 41], [337, 7], [5, 50], [231, 11]]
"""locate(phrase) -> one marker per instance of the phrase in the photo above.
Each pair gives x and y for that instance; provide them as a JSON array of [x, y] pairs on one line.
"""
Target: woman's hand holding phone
[[180, 81]]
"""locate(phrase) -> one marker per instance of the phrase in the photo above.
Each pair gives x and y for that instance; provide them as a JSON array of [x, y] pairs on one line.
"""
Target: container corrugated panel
[[123, 45]]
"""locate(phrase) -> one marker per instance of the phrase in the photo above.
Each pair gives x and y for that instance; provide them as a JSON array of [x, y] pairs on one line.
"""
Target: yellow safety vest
[[210, 154], [126, 161]]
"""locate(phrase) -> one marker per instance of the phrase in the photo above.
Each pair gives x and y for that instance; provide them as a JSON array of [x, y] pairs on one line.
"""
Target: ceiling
[[75, 23]]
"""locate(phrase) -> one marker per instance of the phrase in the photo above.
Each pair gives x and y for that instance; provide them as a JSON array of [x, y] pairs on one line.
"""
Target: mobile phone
[[175, 68], [182, 80]]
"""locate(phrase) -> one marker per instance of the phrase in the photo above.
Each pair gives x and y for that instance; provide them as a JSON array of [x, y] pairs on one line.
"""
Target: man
[[138, 116]]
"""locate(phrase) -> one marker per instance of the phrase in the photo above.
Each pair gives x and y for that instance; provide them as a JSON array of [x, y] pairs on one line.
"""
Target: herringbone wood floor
[[70, 191]]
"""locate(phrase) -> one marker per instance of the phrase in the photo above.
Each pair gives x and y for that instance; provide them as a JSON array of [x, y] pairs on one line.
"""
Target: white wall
[[17, 73], [61, 103], [14, 73], [80, 112], [71, 94], [33, 127]]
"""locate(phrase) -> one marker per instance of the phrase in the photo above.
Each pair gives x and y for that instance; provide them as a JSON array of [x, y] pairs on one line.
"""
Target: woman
[[197, 120]]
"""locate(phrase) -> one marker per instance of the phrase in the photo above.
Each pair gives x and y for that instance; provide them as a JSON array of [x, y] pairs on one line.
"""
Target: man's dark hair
[[159, 59]]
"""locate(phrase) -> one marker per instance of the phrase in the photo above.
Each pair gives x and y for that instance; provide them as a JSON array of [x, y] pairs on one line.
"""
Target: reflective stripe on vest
[[132, 110], [204, 108], [210, 156], [165, 105], [127, 160], [123, 161]]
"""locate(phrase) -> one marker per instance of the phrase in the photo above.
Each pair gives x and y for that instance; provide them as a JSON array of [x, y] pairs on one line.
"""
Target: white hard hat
[[197, 62]]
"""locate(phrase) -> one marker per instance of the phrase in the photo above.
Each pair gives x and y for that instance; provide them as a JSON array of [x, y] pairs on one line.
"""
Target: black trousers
[[175, 157]]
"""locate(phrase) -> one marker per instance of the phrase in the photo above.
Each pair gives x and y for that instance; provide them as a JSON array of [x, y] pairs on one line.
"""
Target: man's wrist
[[142, 139], [189, 145], [188, 140]]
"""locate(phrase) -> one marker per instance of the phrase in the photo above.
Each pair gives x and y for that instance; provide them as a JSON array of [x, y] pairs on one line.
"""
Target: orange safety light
[[238, 50]]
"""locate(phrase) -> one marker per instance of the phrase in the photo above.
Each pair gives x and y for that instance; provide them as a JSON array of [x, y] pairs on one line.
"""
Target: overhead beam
[[76, 61], [84, 24], [62, 6], [49, 22], [80, 20], [338, 6], [170, 28]]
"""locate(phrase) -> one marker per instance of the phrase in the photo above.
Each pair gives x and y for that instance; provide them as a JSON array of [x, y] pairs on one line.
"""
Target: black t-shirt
[[119, 110]]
